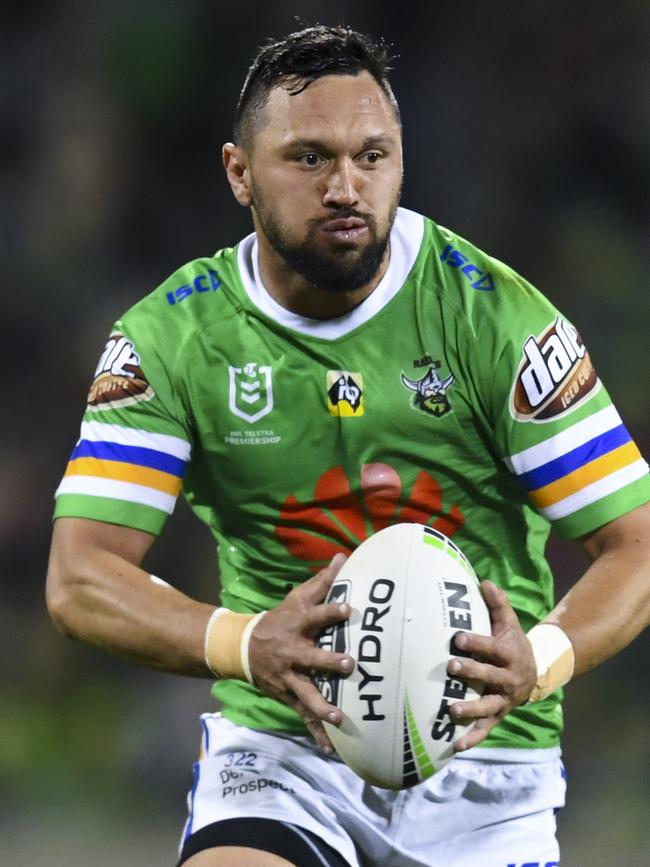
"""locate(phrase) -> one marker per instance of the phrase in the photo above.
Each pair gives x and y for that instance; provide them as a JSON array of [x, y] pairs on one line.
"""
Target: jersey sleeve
[[128, 464], [554, 423]]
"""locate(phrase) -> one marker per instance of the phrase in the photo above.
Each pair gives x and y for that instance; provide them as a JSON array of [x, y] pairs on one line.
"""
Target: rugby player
[[348, 365]]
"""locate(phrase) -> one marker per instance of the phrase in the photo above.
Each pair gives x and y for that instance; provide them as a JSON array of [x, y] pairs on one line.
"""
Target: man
[[349, 365]]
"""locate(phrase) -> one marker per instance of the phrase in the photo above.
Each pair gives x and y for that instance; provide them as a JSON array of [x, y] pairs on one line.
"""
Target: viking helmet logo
[[430, 392]]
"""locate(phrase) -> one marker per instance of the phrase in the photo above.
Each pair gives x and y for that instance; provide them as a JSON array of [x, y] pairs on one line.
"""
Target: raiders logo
[[119, 379], [430, 391], [555, 375]]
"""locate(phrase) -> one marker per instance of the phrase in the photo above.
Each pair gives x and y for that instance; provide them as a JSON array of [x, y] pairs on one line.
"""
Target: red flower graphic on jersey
[[339, 519]]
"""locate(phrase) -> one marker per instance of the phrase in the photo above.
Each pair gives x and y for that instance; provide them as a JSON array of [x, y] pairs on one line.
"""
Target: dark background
[[526, 130]]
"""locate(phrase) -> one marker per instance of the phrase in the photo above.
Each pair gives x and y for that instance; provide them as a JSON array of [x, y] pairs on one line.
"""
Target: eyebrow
[[371, 141]]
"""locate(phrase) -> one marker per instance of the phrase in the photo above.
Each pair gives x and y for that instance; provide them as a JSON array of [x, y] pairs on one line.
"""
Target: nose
[[341, 188]]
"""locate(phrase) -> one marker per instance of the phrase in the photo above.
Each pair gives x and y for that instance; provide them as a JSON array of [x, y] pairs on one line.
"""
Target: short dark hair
[[302, 57]]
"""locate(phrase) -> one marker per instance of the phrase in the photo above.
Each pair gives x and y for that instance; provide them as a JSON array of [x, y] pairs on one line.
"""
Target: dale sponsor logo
[[555, 375], [344, 393], [250, 394], [119, 379], [430, 391]]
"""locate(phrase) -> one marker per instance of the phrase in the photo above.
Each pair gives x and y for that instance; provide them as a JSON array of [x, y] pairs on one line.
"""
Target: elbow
[[63, 602]]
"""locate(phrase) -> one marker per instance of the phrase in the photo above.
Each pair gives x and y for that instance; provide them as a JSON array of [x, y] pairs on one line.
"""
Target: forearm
[[99, 597], [605, 610], [610, 605], [97, 592]]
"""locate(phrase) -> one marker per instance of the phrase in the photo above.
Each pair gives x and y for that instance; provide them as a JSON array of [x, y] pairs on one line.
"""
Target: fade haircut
[[298, 60]]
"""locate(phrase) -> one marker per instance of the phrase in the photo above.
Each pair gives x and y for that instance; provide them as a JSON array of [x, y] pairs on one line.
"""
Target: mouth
[[347, 230]]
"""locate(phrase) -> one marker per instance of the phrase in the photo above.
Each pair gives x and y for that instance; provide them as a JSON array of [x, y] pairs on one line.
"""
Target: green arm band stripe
[[134, 515]]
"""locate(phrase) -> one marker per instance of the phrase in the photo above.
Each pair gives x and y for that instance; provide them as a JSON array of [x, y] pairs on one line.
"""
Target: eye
[[372, 157], [311, 159]]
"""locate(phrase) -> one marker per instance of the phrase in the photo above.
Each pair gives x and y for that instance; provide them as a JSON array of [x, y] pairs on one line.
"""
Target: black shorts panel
[[280, 838]]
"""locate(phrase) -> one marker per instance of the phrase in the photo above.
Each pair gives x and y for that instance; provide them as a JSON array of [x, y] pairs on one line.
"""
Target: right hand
[[282, 651]]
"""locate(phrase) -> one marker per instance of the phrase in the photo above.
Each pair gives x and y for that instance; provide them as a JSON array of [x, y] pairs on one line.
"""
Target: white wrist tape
[[554, 658], [207, 645], [245, 641], [227, 637]]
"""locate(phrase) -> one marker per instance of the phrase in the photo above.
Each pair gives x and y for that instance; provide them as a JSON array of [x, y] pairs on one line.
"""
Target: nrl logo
[[251, 391], [430, 392]]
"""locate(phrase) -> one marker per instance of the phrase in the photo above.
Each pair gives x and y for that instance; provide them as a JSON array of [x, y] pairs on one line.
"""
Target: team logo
[[119, 379], [555, 375], [251, 391], [430, 392], [344, 393]]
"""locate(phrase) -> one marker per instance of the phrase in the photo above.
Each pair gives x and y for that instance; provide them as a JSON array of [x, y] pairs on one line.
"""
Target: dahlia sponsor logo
[[251, 391], [344, 393], [555, 376], [119, 379], [430, 391]]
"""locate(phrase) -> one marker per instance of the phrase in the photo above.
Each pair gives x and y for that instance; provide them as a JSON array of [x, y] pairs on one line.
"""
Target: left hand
[[505, 668]]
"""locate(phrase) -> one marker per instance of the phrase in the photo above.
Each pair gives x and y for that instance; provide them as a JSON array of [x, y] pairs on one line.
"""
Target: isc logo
[[481, 280], [536, 864], [199, 284]]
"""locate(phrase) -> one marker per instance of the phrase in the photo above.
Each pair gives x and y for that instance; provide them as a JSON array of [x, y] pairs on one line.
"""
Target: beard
[[341, 270]]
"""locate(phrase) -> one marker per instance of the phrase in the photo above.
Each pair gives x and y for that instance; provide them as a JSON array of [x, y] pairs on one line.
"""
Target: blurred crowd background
[[526, 129]]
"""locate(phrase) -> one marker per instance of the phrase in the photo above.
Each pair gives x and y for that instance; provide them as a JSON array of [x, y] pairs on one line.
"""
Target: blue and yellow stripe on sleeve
[[121, 472], [579, 466]]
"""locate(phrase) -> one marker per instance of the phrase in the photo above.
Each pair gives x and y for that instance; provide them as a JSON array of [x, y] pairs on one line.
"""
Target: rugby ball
[[411, 590]]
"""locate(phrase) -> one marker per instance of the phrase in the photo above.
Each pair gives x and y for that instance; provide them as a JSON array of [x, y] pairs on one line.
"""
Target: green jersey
[[455, 396]]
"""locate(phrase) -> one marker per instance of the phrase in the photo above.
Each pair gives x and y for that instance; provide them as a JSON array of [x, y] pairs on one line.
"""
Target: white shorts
[[495, 808]]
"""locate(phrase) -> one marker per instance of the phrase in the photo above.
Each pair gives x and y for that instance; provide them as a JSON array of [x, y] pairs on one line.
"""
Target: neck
[[290, 289]]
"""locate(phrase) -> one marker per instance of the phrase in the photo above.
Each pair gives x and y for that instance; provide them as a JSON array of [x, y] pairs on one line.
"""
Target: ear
[[235, 162]]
